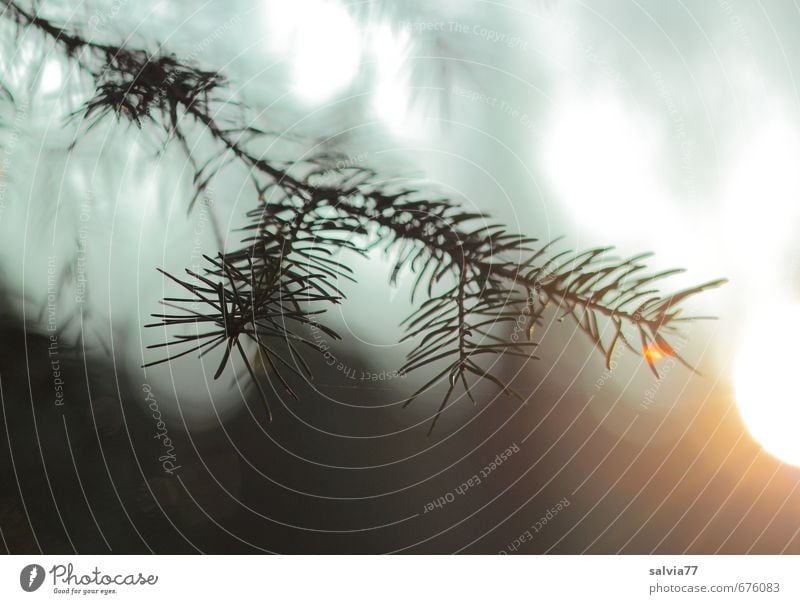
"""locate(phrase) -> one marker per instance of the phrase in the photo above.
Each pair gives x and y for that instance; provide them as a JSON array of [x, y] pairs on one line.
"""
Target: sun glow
[[765, 383], [392, 99], [322, 42], [52, 77], [654, 352], [599, 156]]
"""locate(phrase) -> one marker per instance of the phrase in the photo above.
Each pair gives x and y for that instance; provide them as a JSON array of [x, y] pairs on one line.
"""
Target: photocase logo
[[31, 577]]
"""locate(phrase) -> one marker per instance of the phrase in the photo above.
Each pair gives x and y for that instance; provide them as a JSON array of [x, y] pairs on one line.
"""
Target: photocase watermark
[[681, 133], [80, 254], [166, 84], [203, 218], [8, 149], [66, 581], [333, 175], [31, 577], [536, 527], [523, 325], [476, 96], [456, 27], [609, 368], [736, 22], [494, 102], [52, 327], [348, 371], [167, 460], [215, 35], [99, 19], [474, 481]]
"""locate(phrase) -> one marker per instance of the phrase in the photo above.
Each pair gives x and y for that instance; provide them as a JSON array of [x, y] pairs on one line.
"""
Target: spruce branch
[[477, 278]]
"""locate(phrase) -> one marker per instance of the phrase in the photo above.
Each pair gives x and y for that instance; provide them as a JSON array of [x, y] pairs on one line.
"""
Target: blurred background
[[649, 126]]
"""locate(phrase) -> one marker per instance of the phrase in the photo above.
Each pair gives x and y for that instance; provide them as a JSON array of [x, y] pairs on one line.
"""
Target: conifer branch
[[477, 278]]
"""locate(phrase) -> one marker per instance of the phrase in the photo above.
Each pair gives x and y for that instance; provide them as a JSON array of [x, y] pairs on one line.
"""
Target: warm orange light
[[653, 352]]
